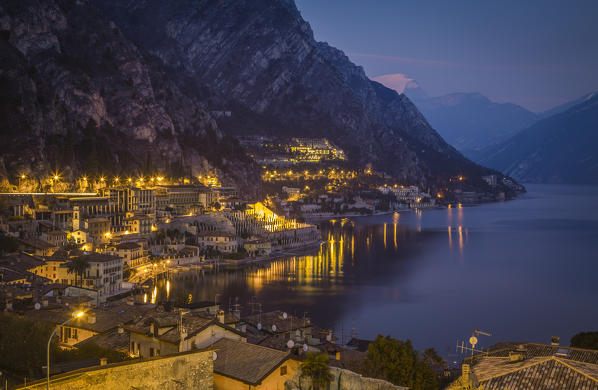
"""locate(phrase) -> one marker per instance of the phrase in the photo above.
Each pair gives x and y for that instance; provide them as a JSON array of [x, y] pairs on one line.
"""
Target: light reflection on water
[[523, 270]]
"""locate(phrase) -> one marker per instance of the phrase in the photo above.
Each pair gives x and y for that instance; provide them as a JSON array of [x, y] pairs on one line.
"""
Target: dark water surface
[[523, 270]]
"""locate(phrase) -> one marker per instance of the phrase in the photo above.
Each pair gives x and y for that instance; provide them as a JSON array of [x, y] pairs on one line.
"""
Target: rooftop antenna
[[473, 340]]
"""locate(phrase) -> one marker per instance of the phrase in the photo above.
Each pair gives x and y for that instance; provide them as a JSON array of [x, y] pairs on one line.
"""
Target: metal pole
[[48, 351]]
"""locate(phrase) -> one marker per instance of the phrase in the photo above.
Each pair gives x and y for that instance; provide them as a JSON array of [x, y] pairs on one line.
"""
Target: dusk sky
[[534, 53]]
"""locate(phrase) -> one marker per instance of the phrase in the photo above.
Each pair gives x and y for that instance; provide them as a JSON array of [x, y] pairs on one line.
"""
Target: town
[[85, 255]]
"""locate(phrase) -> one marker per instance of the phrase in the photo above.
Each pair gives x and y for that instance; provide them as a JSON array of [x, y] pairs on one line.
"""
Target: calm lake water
[[522, 270]]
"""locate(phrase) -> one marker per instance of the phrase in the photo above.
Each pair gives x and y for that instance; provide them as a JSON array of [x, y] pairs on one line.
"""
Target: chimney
[[91, 318], [221, 316], [555, 340], [516, 356], [465, 373], [103, 361]]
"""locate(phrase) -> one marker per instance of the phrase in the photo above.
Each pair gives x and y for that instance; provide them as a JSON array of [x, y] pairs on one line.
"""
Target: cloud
[[397, 81]]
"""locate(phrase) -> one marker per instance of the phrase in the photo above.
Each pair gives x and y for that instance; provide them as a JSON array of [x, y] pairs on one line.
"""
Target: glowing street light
[[76, 315]]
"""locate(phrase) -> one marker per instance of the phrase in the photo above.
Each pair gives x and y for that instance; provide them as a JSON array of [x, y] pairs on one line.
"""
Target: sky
[[535, 53]]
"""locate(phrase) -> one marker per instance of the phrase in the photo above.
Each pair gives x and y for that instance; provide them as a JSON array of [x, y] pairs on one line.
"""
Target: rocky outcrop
[[76, 96], [259, 59]]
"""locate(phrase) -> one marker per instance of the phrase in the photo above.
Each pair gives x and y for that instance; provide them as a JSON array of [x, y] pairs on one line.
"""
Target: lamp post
[[76, 315]]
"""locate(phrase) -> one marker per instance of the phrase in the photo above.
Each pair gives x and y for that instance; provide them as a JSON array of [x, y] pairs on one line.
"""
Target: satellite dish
[[273, 328], [214, 355], [473, 341], [37, 306], [285, 315], [259, 325], [290, 344], [328, 337], [305, 347]]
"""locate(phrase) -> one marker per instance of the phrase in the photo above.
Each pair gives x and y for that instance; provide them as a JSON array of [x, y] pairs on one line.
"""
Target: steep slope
[[77, 97], [468, 121], [558, 149], [258, 58]]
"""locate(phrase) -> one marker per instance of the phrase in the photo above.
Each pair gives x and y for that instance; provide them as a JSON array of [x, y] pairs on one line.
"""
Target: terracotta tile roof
[[193, 323], [246, 362], [532, 350], [537, 373], [111, 340], [127, 245], [277, 318], [106, 318]]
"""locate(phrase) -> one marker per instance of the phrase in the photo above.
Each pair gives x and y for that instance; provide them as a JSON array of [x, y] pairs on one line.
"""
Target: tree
[[316, 368], [78, 266], [588, 340], [397, 362]]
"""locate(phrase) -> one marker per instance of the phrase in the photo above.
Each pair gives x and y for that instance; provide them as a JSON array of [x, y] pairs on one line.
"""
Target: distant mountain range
[[468, 121], [561, 148]]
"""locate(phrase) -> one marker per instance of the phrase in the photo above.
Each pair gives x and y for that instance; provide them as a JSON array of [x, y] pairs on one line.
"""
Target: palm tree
[[78, 266], [316, 368]]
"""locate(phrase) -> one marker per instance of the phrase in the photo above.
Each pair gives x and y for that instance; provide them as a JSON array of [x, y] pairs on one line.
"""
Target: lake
[[523, 270]]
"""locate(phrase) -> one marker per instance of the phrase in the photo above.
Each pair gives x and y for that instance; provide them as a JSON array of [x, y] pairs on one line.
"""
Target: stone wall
[[187, 370], [349, 380]]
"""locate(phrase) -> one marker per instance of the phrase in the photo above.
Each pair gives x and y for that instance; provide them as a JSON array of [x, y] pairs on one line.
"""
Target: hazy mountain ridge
[[468, 121], [78, 97], [557, 149], [259, 59]]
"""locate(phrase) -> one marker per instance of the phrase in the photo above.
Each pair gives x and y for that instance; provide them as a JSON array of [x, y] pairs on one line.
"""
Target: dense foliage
[[23, 344], [315, 367], [397, 362], [587, 340]]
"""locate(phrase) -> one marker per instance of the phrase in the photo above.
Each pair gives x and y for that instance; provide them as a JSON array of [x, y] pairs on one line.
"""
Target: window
[[283, 370], [151, 352], [132, 347]]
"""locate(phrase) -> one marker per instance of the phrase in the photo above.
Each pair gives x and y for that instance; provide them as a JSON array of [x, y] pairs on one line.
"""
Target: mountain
[[78, 97], [468, 121], [558, 149], [259, 60], [564, 107]]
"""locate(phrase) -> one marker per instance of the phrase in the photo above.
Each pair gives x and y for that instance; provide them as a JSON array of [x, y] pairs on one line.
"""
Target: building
[[138, 223], [241, 365], [55, 237], [132, 254], [258, 247], [37, 247], [222, 241], [530, 366], [98, 229], [172, 332], [98, 321], [105, 273]]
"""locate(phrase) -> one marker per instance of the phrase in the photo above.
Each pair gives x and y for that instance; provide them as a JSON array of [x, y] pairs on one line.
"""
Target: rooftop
[[233, 361], [277, 318]]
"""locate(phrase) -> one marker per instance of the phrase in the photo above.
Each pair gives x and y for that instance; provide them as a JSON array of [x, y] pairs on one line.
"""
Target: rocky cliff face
[[259, 59], [78, 97]]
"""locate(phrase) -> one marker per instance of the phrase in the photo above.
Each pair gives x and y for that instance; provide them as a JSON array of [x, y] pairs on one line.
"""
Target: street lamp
[[76, 315]]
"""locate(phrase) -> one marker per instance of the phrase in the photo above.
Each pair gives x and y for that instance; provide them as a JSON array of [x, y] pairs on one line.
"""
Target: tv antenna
[[473, 341]]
